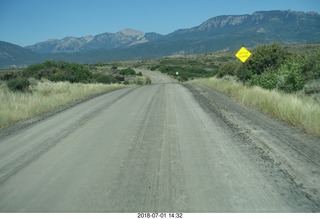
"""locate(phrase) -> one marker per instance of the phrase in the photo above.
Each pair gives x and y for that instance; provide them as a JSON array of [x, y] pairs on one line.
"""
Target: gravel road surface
[[165, 147]]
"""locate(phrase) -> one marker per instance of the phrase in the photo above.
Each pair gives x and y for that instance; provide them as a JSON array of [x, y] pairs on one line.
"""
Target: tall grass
[[43, 97], [300, 111]]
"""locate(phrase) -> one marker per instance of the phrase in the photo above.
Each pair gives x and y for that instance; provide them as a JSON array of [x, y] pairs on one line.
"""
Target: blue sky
[[26, 22]]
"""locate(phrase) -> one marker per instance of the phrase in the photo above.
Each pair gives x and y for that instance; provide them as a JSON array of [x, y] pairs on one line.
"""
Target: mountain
[[226, 32], [16, 56], [262, 27], [123, 38], [67, 44]]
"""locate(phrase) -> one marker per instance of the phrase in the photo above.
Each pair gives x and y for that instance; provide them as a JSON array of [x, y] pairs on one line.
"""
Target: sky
[[26, 22]]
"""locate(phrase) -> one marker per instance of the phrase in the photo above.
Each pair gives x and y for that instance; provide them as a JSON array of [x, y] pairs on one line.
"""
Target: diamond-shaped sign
[[243, 54]]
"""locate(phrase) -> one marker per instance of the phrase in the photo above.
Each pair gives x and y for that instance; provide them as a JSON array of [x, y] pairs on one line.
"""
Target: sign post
[[243, 54]]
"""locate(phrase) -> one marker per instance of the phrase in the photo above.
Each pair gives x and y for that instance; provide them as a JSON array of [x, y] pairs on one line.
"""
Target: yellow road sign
[[243, 54]]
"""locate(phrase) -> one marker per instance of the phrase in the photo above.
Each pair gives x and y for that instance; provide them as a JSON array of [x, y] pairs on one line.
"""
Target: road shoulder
[[283, 153]]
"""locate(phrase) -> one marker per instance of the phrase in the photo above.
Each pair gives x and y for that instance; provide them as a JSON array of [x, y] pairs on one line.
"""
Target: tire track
[[20, 159]]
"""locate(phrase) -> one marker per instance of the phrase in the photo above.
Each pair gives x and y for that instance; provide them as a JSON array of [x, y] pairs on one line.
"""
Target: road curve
[[158, 148]]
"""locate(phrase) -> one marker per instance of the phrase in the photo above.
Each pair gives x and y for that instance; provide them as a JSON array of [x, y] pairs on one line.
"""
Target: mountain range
[[226, 32], [123, 38]]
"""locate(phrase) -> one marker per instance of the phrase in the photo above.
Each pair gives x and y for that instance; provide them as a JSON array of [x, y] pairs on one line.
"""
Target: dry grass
[[300, 111], [44, 97]]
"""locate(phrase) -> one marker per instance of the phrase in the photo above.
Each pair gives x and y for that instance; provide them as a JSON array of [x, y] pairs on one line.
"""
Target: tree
[[266, 57]]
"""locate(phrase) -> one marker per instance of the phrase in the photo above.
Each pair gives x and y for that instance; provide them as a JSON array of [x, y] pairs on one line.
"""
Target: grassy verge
[[44, 97], [300, 111]]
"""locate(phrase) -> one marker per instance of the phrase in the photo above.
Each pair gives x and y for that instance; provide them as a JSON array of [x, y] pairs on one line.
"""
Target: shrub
[[228, 69], [105, 79], [127, 71], [18, 84], [268, 79], [81, 75], [58, 76], [243, 73], [312, 87], [154, 67], [184, 72], [8, 76], [310, 65], [289, 77], [59, 71], [119, 78], [266, 56]]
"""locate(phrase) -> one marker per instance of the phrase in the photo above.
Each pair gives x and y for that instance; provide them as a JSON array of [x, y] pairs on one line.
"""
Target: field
[[45, 96]]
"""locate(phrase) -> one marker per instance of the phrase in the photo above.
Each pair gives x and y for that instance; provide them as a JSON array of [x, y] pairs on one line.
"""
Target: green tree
[[290, 78], [266, 57]]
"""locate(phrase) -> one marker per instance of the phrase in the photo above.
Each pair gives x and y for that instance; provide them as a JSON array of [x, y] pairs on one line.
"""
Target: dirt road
[[165, 147]]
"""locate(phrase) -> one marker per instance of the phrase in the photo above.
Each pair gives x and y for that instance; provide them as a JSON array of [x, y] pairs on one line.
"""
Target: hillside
[[229, 32], [123, 38], [221, 33], [16, 56]]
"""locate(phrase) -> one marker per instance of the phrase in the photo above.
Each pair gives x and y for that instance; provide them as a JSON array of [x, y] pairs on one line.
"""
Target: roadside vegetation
[[191, 67], [44, 96], [285, 68], [45, 87], [295, 108], [56, 71], [282, 81], [278, 82]]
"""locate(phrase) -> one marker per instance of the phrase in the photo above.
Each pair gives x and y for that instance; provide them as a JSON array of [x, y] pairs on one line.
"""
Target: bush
[[58, 76], [127, 71], [18, 84], [59, 71], [310, 65], [289, 77], [105, 79], [8, 76], [268, 79], [228, 69], [81, 75], [154, 67], [266, 57], [312, 87], [184, 72]]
